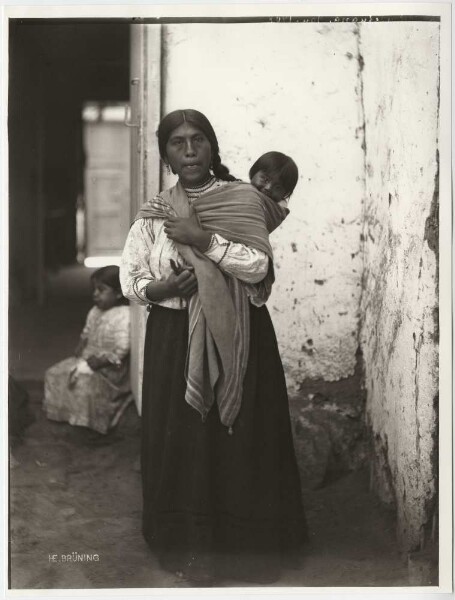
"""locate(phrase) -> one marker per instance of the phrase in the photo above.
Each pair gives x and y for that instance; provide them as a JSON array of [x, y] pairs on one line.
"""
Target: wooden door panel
[[107, 187]]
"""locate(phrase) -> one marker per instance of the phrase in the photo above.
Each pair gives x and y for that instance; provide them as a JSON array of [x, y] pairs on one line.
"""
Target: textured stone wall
[[293, 88], [399, 305]]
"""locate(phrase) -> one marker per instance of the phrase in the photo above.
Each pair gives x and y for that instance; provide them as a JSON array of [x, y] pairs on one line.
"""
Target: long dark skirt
[[211, 498]]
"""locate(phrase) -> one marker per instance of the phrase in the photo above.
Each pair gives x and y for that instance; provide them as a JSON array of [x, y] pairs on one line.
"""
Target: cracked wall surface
[[356, 106], [399, 305], [293, 88]]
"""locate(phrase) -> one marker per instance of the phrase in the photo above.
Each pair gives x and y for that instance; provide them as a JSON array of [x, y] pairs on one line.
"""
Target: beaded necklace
[[194, 192]]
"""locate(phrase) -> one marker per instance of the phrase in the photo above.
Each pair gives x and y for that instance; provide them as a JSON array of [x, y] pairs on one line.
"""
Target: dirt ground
[[76, 491], [73, 491]]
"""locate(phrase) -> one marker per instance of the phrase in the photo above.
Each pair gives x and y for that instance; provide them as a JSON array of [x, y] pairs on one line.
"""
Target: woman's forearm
[[239, 260], [158, 290], [202, 240], [134, 265]]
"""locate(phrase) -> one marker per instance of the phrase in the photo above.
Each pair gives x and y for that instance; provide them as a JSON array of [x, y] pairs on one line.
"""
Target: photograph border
[[346, 12]]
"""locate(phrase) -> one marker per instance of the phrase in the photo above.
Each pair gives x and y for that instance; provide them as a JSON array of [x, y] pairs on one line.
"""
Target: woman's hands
[[183, 285], [187, 231], [182, 282]]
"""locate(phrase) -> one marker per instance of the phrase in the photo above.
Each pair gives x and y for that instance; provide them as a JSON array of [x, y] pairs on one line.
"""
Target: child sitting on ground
[[92, 388]]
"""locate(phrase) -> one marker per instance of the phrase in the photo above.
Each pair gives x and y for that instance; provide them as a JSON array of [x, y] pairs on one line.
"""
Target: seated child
[[92, 387]]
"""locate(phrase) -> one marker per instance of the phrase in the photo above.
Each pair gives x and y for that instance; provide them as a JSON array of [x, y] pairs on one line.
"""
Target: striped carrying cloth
[[218, 340]]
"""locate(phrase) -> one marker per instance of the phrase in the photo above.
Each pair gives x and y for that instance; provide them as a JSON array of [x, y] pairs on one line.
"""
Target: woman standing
[[221, 493]]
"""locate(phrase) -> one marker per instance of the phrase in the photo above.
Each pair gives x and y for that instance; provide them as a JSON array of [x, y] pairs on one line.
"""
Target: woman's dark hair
[[178, 117], [110, 276], [279, 165]]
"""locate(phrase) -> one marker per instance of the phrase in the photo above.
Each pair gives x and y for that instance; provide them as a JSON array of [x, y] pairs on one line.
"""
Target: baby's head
[[106, 288], [275, 175]]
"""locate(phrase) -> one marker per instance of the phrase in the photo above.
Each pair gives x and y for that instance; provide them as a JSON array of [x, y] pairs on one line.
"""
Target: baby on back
[[275, 175]]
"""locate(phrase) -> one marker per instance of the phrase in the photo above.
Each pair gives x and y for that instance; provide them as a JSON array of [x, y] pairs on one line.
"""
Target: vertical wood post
[[145, 99]]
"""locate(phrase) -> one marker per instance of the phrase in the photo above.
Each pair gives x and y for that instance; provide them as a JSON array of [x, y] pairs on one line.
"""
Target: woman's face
[[189, 154]]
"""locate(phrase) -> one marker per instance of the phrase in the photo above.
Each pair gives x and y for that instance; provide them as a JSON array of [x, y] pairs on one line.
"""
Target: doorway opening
[[102, 213], [57, 68]]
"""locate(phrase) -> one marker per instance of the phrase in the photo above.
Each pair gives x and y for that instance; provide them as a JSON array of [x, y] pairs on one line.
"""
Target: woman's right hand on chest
[[182, 285]]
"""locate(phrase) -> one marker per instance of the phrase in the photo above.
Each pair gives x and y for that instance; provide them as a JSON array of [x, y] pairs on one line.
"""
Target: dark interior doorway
[[55, 67]]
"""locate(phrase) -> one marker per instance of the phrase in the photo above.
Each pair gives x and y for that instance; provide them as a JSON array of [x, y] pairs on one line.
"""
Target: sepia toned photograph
[[228, 298]]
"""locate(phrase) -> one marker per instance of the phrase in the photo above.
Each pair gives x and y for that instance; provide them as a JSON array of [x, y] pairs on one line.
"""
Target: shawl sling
[[218, 340]]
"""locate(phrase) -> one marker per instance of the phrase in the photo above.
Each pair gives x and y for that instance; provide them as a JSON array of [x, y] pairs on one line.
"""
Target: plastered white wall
[[400, 94], [294, 88], [356, 106]]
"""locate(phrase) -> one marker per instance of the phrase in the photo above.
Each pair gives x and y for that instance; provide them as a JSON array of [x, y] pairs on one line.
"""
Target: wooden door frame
[[145, 101]]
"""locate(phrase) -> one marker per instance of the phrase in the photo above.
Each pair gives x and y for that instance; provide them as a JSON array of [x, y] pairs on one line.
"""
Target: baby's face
[[270, 185]]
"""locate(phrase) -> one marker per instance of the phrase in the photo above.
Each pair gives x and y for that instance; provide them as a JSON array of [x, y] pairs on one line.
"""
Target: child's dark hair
[[110, 276], [178, 117], [279, 165]]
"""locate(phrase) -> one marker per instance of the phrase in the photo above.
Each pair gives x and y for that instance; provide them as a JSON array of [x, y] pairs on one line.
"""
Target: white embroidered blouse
[[107, 333], [148, 251]]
